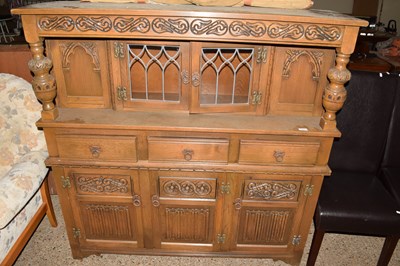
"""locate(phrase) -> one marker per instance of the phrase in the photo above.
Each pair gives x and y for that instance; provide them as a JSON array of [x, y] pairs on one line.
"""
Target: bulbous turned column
[[44, 84], [335, 93]]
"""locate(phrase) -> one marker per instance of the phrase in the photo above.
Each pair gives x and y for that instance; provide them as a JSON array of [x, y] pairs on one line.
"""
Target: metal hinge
[[76, 232], [262, 55], [121, 94], [256, 98], [225, 188], [66, 183], [221, 238], [119, 50], [308, 190], [296, 240]]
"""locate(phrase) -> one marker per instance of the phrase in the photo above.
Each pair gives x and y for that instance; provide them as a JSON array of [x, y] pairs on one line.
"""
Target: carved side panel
[[271, 190], [102, 184], [181, 187], [108, 221], [265, 227], [185, 224]]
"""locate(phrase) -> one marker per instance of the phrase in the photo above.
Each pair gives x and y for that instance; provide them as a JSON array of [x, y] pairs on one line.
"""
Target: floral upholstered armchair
[[24, 196]]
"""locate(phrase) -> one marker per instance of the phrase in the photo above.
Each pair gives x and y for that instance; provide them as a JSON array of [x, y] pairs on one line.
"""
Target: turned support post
[[335, 93], [43, 84]]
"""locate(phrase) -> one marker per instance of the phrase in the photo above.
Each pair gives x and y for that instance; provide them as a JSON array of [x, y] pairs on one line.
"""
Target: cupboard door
[[268, 212], [150, 75], [187, 210], [107, 208], [81, 70], [225, 78], [299, 79]]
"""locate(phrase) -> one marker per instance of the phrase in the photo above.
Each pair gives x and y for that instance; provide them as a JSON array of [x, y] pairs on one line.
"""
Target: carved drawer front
[[97, 147], [188, 149], [103, 184], [187, 187], [271, 190], [278, 152]]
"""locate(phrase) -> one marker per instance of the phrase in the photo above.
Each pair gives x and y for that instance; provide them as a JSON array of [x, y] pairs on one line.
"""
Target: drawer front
[[278, 152], [97, 147], [188, 150], [187, 187]]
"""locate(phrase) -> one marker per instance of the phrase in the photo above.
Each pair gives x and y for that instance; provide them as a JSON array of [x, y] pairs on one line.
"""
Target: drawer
[[97, 147], [187, 187], [278, 152], [188, 149]]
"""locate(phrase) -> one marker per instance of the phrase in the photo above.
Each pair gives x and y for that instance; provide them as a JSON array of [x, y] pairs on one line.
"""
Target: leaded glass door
[[154, 75], [225, 78]]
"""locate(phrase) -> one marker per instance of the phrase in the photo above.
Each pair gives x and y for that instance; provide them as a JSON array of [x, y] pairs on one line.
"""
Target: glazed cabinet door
[[225, 77], [106, 206], [81, 68], [150, 75], [268, 211], [187, 209]]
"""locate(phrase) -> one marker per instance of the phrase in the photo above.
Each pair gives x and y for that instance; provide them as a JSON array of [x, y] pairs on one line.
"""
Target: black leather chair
[[353, 200]]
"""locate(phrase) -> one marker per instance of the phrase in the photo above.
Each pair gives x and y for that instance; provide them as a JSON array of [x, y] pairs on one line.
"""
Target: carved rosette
[[102, 184], [271, 190], [44, 84], [187, 188], [335, 93]]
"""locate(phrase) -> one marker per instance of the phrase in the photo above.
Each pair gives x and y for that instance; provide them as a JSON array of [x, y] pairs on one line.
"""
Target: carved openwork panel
[[107, 221], [271, 190], [265, 227], [183, 224], [179, 26], [314, 57], [187, 187], [69, 48], [103, 184]]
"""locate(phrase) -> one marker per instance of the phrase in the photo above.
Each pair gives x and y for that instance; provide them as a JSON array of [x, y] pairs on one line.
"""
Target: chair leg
[[44, 189], [315, 246], [387, 250]]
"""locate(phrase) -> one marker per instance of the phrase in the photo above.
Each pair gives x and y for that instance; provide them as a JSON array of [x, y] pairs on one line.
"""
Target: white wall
[[390, 10], [342, 6]]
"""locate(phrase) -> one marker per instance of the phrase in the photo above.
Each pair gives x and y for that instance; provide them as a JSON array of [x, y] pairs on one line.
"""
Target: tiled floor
[[49, 247]]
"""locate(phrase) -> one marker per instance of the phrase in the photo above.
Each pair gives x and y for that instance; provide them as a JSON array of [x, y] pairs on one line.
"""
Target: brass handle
[[137, 201], [95, 151], [238, 203], [279, 155], [155, 200], [196, 79], [185, 77], [188, 154]]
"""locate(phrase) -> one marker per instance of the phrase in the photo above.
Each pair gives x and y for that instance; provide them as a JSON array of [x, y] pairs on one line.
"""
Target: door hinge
[[119, 50], [76, 232], [221, 238], [225, 188], [262, 55], [121, 94], [256, 98], [296, 240], [308, 190], [66, 183]]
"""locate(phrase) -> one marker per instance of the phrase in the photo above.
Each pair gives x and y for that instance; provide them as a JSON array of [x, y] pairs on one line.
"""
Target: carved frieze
[[102, 184], [315, 58], [271, 190], [195, 26]]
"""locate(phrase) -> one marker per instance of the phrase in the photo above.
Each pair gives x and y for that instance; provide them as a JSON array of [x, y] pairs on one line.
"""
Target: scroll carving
[[209, 27], [335, 93], [161, 25], [292, 31], [64, 23], [84, 23], [122, 24], [271, 190], [314, 32], [315, 58], [239, 28], [187, 188], [89, 47], [102, 184]]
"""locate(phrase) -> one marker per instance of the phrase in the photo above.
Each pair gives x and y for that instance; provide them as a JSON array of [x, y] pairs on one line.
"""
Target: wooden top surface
[[288, 15], [176, 121]]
